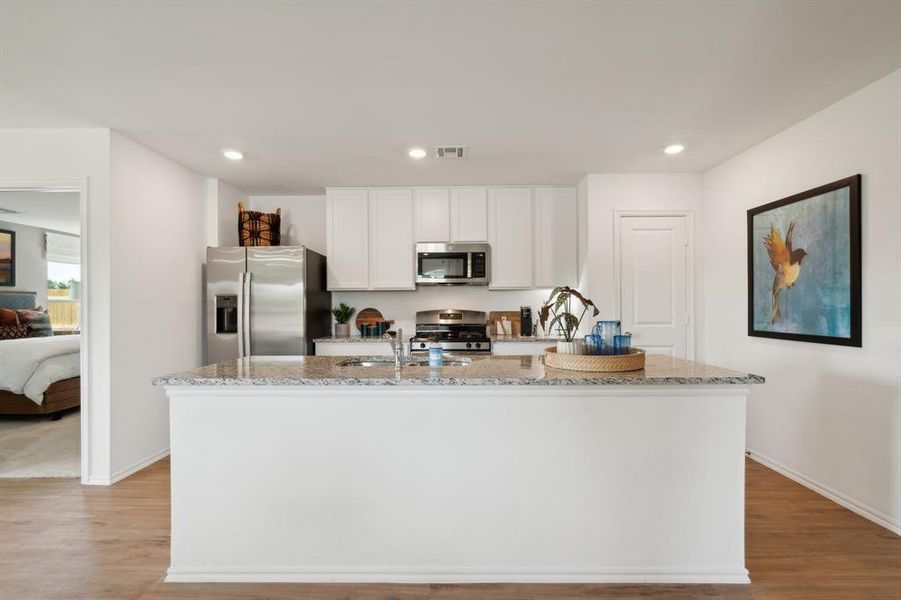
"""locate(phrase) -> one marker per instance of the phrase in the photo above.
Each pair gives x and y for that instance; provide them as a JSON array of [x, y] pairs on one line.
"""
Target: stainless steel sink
[[360, 361], [448, 362], [367, 362]]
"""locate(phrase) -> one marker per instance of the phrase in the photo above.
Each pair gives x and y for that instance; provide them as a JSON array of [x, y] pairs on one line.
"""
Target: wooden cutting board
[[369, 316], [512, 316]]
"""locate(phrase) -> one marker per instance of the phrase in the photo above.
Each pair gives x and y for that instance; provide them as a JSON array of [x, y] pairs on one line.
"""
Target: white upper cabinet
[[391, 239], [468, 215], [372, 233], [511, 235], [347, 221], [431, 210], [556, 245]]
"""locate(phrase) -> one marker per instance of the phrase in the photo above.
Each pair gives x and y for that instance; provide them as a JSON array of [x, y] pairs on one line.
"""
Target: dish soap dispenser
[[436, 354]]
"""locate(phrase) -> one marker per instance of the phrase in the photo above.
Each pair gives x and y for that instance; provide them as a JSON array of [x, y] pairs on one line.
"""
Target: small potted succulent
[[342, 314], [558, 309]]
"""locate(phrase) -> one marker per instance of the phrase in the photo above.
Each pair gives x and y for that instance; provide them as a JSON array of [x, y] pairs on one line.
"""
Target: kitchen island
[[299, 469]]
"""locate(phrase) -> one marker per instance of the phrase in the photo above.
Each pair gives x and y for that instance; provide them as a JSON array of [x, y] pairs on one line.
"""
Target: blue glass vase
[[607, 332]]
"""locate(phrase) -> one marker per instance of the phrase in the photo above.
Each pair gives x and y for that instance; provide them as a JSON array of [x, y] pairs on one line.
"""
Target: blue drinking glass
[[622, 344], [607, 331], [592, 344]]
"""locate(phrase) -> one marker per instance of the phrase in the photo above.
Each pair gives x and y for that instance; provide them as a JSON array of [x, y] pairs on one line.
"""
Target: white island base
[[459, 483]]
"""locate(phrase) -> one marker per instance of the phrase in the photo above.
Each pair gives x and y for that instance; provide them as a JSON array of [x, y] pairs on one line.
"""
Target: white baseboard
[[137, 466], [462, 575], [854, 506]]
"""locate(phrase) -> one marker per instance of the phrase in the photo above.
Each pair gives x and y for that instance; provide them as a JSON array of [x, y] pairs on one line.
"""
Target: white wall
[[829, 415], [303, 219], [402, 306], [31, 266], [609, 192], [54, 154], [222, 212], [158, 226]]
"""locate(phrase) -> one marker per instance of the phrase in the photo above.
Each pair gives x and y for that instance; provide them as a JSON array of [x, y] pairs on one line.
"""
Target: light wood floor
[[59, 539]]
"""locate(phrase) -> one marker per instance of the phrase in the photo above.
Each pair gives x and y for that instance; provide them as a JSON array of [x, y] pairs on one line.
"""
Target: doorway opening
[[44, 403]]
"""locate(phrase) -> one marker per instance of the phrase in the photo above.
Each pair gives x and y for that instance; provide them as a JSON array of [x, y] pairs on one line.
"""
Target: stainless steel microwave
[[452, 264]]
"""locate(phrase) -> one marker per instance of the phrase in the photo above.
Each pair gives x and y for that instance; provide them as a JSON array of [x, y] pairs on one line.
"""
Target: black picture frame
[[12, 260], [856, 338]]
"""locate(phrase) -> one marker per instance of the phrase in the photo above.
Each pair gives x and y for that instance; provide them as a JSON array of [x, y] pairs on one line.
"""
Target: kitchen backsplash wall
[[402, 306]]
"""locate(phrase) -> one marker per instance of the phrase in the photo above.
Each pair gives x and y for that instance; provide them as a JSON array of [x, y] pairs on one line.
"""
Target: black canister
[[525, 320]]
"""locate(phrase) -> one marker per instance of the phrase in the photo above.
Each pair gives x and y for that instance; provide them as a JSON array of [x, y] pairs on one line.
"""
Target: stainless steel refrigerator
[[265, 300]]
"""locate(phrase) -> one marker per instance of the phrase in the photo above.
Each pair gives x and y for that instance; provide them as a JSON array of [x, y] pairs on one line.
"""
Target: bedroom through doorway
[[42, 319]]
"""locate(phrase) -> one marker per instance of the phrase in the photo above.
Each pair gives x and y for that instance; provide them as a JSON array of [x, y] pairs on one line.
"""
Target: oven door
[[442, 267]]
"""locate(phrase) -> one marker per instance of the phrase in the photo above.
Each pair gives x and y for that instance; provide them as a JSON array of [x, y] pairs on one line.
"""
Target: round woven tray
[[605, 363]]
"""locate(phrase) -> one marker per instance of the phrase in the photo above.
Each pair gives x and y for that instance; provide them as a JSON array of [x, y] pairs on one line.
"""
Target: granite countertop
[[356, 339], [484, 370], [524, 338]]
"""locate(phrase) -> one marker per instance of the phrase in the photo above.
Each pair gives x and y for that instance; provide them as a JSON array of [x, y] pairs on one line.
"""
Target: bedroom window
[[63, 297], [63, 254]]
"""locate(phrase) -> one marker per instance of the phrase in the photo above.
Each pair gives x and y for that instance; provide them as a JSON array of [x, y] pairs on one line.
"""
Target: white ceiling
[[56, 211], [333, 93]]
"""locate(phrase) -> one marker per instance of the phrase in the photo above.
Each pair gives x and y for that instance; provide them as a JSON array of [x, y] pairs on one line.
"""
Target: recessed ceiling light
[[674, 149], [232, 154], [417, 153]]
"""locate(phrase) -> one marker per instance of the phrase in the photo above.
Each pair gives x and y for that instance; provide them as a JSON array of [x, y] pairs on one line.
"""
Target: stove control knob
[[478, 345], [422, 344], [469, 344]]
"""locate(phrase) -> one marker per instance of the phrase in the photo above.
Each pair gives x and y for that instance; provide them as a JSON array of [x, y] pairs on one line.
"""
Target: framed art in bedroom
[[804, 266], [7, 258]]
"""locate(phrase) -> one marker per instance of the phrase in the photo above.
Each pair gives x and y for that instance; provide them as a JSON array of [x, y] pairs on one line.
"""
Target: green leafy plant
[[343, 313], [558, 309]]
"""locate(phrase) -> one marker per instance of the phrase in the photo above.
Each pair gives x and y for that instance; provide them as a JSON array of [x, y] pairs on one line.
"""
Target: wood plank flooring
[[59, 539]]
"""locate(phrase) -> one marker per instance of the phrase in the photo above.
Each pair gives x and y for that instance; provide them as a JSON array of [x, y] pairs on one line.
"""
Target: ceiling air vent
[[450, 152]]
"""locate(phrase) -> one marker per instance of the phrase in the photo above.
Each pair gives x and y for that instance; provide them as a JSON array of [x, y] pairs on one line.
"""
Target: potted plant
[[558, 309], [342, 314]]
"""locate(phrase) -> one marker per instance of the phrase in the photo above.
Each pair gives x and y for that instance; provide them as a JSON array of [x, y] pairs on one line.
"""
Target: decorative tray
[[601, 363]]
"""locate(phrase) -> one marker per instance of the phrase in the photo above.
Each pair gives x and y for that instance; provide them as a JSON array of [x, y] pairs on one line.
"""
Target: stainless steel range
[[455, 329]]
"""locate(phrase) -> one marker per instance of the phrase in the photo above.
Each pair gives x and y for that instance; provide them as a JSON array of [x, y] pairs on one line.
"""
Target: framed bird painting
[[804, 266]]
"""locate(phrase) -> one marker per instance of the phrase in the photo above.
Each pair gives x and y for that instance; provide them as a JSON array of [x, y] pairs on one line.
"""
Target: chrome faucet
[[397, 345]]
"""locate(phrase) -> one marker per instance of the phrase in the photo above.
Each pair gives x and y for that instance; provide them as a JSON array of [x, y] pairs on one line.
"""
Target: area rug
[[38, 447]]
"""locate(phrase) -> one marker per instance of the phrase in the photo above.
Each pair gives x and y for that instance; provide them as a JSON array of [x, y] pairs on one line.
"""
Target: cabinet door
[[391, 231], [469, 215], [347, 224], [431, 210], [556, 245], [511, 235]]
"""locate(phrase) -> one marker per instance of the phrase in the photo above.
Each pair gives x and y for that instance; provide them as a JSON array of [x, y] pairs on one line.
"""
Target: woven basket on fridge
[[602, 363]]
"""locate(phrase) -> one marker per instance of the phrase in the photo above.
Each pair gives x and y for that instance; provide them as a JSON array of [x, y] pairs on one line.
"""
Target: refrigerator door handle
[[245, 291], [241, 315]]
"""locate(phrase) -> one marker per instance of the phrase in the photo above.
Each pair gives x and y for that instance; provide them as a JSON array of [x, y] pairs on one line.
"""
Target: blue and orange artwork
[[801, 267]]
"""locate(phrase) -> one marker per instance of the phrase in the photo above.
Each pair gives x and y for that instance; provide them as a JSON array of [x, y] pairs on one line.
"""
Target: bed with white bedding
[[38, 375], [29, 366]]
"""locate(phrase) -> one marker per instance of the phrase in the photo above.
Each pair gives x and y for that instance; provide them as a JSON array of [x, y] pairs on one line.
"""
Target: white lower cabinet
[[353, 349], [520, 348]]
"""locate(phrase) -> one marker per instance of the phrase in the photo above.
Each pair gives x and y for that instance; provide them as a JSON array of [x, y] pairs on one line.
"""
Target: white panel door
[[556, 243], [469, 215], [511, 236], [431, 209], [391, 232], [653, 283], [347, 224]]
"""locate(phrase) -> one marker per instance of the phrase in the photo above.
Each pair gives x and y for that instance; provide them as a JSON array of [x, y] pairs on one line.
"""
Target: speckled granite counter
[[523, 339], [487, 370], [351, 339]]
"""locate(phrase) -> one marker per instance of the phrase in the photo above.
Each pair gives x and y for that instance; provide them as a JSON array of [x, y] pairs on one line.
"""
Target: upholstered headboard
[[15, 300]]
